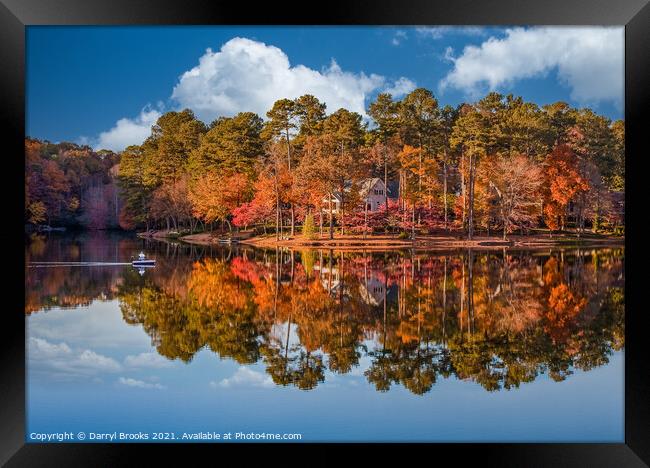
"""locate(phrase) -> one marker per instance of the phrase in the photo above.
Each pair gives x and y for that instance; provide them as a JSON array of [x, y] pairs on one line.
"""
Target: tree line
[[70, 185], [500, 164]]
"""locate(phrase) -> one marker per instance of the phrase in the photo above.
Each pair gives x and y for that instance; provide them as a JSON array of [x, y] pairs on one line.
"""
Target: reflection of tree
[[498, 318], [67, 286]]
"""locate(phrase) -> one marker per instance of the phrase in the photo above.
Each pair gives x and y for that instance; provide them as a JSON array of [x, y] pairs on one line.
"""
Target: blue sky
[[105, 86]]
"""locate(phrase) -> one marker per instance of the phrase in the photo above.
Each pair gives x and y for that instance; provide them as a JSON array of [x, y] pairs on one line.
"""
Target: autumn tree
[[471, 136], [448, 116], [516, 181], [332, 165], [215, 195], [562, 183]]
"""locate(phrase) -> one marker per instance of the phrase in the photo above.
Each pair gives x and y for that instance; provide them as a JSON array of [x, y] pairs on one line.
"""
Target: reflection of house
[[372, 192], [329, 278], [372, 291]]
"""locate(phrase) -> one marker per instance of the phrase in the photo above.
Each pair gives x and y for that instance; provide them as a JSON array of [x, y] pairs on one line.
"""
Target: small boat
[[228, 240], [143, 261]]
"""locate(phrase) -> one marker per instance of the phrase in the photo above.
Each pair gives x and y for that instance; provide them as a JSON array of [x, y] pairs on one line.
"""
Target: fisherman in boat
[[142, 260]]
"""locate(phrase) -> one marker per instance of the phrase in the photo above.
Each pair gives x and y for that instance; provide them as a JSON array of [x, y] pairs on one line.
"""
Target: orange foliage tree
[[563, 183]]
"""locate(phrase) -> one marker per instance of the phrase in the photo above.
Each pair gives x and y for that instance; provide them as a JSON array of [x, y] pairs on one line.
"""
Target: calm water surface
[[470, 345]]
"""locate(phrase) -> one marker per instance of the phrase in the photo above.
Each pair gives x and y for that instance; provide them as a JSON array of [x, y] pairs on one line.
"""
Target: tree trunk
[[463, 188], [277, 217], [292, 220], [413, 223], [320, 216], [365, 219], [444, 188], [342, 213], [288, 149], [385, 179], [331, 217], [470, 220]]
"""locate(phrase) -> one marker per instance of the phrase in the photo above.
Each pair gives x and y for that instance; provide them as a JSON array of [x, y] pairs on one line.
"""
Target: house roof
[[365, 187]]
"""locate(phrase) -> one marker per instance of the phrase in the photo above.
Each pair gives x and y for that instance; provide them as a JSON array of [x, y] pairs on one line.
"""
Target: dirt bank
[[387, 242]]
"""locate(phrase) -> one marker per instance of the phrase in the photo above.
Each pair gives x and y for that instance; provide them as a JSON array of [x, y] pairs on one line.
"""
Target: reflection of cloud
[[129, 382], [63, 361], [96, 361], [100, 326], [42, 349], [152, 360], [245, 377]]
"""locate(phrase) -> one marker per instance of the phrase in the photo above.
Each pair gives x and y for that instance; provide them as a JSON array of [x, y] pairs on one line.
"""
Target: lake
[[468, 345]]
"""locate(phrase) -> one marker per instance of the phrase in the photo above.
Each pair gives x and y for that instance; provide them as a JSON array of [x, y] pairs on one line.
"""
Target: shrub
[[309, 227]]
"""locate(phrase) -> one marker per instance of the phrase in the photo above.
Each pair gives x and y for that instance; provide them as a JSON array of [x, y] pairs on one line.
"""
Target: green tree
[[385, 112], [420, 120], [232, 144], [309, 227], [311, 114], [282, 122]]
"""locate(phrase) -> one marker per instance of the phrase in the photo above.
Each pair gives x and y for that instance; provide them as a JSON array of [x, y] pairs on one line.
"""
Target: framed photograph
[[381, 224]]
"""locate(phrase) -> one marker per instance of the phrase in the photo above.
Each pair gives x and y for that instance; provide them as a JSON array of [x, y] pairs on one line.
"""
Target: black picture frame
[[633, 14]]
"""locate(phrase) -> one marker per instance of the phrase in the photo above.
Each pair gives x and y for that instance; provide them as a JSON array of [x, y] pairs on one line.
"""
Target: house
[[373, 193]]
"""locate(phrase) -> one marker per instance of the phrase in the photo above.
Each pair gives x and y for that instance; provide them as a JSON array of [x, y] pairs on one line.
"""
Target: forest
[[499, 165], [70, 185]]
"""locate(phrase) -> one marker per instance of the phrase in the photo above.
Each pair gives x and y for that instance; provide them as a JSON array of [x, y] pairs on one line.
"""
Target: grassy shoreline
[[387, 242]]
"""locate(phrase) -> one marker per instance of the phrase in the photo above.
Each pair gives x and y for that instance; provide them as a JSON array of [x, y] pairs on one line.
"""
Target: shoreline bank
[[390, 242]]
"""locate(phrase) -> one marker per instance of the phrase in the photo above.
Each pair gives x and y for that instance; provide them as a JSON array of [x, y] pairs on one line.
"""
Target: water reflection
[[499, 318]]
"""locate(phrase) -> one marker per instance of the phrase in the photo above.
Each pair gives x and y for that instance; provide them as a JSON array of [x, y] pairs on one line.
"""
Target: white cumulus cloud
[[401, 87], [247, 75], [437, 32], [127, 131], [398, 37], [245, 377], [589, 60]]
